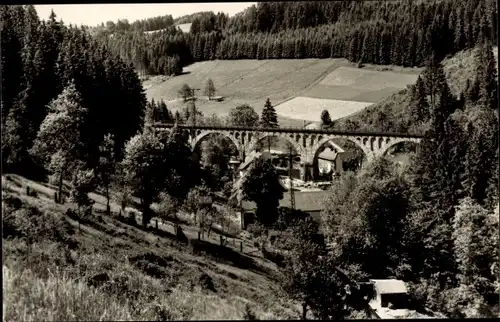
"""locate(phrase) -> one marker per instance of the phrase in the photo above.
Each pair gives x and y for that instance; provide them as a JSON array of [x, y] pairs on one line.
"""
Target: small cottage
[[389, 293]]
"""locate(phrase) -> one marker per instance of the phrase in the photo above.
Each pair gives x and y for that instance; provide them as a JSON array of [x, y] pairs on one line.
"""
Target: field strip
[[309, 109], [281, 77], [318, 80], [245, 74]]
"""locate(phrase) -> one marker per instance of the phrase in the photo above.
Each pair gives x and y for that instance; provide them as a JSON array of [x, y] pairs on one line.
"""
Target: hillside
[[108, 269], [300, 89], [392, 112]]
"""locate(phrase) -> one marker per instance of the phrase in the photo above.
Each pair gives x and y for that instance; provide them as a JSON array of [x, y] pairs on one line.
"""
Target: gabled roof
[[249, 159], [389, 286]]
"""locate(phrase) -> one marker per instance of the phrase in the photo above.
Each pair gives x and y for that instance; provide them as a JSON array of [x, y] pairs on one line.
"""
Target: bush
[[257, 230], [131, 219], [248, 313], [34, 225]]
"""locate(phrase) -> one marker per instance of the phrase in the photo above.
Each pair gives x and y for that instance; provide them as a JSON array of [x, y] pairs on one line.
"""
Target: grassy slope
[[252, 81], [247, 81], [48, 272], [458, 69]]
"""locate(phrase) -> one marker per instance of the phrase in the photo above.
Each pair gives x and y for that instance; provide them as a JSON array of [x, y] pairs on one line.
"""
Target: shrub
[[257, 230], [248, 313], [131, 219]]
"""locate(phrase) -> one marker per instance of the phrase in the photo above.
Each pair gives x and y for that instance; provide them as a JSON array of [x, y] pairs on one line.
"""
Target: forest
[[401, 33], [39, 60]]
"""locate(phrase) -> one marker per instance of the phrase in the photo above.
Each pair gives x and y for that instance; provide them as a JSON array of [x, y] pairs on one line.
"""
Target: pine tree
[[480, 162], [418, 103], [269, 118], [434, 79], [487, 77]]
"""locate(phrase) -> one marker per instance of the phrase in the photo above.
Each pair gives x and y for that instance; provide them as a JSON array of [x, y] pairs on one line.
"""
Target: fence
[[220, 239]]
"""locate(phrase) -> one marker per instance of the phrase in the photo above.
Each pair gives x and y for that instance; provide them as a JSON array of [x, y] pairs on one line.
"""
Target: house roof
[[249, 159], [389, 286]]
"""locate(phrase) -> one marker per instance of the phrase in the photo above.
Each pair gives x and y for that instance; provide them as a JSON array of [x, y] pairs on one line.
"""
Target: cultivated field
[[245, 81], [301, 89], [310, 108]]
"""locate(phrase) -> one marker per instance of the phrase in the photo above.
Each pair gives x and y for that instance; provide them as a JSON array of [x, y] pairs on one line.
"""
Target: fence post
[[55, 198], [241, 246], [199, 235], [156, 224]]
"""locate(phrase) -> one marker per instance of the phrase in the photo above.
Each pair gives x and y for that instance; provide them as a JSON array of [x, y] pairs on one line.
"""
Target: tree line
[[400, 33], [42, 58], [433, 225]]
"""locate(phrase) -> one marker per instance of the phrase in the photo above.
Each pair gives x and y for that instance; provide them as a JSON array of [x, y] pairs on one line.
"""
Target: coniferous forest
[[402, 33], [40, 59]]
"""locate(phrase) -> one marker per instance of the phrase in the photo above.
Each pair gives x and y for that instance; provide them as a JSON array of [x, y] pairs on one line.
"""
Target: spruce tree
[[418, 104], [487, 77], [269, 118]]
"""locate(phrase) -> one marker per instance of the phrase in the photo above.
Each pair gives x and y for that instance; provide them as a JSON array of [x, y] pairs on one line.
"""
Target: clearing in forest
[[312, 82]]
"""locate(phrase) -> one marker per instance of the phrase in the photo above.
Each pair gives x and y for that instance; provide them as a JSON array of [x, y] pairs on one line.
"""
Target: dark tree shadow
[[227, 256]]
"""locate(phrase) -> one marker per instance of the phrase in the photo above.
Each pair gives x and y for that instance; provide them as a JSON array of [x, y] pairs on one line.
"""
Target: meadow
[[300, 89], [310, 109]]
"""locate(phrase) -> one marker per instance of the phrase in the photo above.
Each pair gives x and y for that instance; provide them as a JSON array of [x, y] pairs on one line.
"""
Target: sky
[[94, 14]]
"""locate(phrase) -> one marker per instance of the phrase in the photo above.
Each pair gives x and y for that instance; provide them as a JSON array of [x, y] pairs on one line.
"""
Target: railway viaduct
[[307, 143]]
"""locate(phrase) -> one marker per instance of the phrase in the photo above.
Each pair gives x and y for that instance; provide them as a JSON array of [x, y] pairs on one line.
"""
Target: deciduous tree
[[243, 115], [59, 144], [262, 186], [142, 165], [106, 167], [185, 92], [326, 121], [210, 89]]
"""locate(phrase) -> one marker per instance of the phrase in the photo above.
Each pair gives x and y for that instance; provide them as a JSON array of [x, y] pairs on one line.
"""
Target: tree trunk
[[304, 311], [145, 212], [108, 208], [60, 188]]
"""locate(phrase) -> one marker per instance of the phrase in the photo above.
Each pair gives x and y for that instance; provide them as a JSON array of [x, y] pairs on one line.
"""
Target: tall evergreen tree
[[487, 77], [418, 103], [269, 118]]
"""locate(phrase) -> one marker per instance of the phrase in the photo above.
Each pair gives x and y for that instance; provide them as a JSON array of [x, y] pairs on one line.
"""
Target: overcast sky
[[94, 14]]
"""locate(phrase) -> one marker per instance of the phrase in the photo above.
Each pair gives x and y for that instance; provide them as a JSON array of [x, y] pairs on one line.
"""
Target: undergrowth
[[110, 270]]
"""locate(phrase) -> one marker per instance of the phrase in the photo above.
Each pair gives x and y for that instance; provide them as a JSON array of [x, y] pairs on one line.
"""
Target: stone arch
[[292, 140], [393, 142], [358, 141], [199, 138]]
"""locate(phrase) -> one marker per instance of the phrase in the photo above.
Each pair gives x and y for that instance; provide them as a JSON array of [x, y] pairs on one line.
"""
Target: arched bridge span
[[306, 142]]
